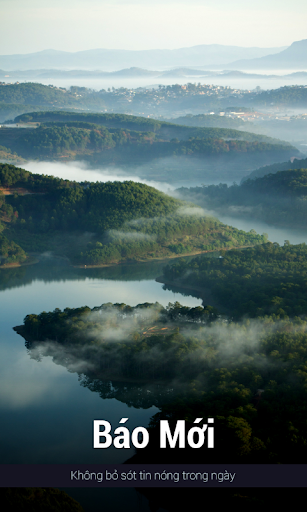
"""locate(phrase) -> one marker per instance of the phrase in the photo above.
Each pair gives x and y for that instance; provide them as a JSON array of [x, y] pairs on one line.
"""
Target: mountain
[[112, 60], [293, 57]]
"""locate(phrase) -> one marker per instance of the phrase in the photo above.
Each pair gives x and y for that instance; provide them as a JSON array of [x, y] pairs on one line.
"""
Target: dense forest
[[118, 139], [30, 93], [293, 95], [263, 280], [164, 130], [272, 169], [82, 139], [279, 199], [110, 221], [215, 369]]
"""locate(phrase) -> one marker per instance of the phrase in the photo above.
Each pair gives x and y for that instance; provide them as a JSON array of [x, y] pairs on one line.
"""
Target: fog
[[226, 345], [79, 171], [165, 174], [275, 234], [236, 82]]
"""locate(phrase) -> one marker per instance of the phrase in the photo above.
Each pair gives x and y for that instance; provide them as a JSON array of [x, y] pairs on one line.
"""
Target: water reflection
[[53, 269], [46, 415]]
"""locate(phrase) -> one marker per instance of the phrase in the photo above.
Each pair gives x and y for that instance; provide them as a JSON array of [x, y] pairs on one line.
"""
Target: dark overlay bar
[[153, 475]]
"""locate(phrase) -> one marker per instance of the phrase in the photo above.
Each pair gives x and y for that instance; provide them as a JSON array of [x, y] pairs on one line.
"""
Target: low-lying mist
[[168, 173], [149, 342], [80, 171]]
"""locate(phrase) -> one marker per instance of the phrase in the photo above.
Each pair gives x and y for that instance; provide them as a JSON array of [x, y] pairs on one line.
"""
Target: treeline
[[292, 95], [12, 176], [88, 206], [123, 121], [35, 94], [71, 325], [44, 142], [82, 138], [162, 129], [267, 280]]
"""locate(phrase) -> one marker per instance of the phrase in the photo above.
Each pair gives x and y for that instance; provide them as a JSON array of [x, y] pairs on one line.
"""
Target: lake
[[44, 397], [46, 413]]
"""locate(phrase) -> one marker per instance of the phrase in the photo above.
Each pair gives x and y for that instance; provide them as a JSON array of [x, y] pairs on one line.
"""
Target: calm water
[[55, 411], [46, 415]]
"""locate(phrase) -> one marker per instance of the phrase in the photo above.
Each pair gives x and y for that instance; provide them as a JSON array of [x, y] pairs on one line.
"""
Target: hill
[[279, 199], [272, 169], [102, 223], [268, 280], [287, 96], [38, 94], [165, 130], [132, 141]]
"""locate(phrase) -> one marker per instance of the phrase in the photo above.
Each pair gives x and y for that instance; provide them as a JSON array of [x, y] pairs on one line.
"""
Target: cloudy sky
[[74, 25]]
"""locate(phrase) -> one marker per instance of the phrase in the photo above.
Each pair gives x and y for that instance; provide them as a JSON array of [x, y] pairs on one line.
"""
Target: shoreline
[[171, 257], [204, 294], [136, 262], [32, 260], [29, 261]]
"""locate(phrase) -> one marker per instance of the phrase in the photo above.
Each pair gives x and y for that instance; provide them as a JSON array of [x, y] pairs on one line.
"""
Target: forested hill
[[38, 94], [272, 169], [294, 96], [260, 281], [91, 206], [104, 139], [279, 198], [164, 130], [99, 223]]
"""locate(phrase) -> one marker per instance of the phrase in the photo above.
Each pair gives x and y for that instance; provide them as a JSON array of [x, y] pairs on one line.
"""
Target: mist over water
[[276, 234], [78, 171]]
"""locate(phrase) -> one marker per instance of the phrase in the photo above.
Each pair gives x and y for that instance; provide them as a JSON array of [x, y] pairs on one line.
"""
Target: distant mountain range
[[293, 57], [202, 56], [43, 74]]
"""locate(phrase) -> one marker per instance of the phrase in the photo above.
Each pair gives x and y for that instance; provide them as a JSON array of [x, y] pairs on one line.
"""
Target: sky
[[74, 25]]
